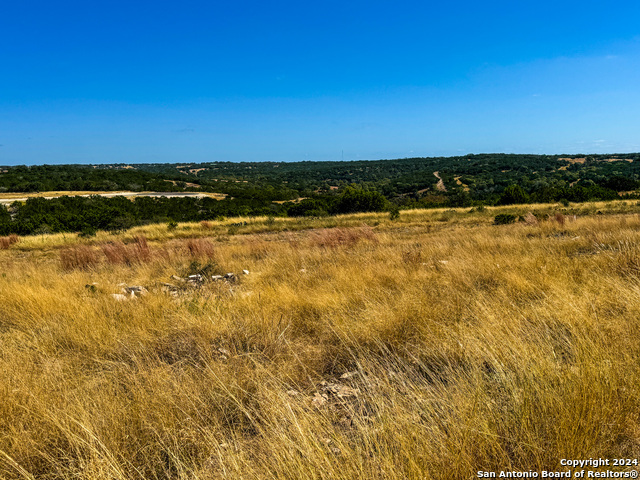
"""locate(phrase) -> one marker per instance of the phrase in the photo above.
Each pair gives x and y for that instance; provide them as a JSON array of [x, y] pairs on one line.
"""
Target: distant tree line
[[484, 177], [86, 214], [306, 188], [47, 178]]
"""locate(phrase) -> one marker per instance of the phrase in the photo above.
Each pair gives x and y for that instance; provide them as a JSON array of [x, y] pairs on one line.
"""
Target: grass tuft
[[418, 348], [6, 242], [78, 257]]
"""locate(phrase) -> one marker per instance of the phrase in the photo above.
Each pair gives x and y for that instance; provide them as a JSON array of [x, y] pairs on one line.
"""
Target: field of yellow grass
[[429, 347], [54, 194]]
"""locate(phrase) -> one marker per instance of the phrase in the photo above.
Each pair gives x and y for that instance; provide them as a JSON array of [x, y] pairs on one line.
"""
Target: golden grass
[[466, 346]]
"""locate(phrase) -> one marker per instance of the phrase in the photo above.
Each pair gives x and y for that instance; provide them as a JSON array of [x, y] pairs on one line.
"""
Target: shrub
[[357, 199], [480, 208], [87, 232], [513, 194], [394, 213], [172, 225], [504, 219]]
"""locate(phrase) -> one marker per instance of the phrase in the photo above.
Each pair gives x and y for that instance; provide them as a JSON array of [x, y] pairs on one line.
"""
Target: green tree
[[513, 194], [358, 199]]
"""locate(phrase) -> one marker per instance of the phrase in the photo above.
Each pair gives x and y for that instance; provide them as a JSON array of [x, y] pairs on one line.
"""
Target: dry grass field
[[429, 347]]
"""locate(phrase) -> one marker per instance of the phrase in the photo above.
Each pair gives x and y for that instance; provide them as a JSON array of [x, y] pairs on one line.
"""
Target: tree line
[[88, 214]]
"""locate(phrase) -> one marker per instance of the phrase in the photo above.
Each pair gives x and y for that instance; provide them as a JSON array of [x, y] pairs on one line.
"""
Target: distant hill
[[308, 188], [483, 176]]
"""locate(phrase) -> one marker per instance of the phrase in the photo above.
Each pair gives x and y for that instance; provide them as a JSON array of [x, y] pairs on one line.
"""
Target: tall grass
[[119, 253], [413, 349], [6, 242]]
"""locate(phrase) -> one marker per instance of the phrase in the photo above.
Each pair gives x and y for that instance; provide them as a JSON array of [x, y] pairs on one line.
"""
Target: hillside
[[432, 346], [302, 189], [483, 176]]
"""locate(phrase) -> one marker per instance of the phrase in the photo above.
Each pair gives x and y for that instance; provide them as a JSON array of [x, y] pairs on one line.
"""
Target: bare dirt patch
[[464, 186], [573, 160], [440, 185]]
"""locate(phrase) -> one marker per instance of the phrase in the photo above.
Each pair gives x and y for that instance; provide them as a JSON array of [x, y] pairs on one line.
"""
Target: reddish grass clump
[[78, 257], [6, 242], [560, 218], [206, 225], [118, 253], [200, 248], [342, 237]]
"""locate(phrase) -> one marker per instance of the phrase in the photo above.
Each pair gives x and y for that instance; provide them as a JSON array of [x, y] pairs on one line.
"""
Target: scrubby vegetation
[[88, 214], [430, 346], [410, 182], [306, 189]]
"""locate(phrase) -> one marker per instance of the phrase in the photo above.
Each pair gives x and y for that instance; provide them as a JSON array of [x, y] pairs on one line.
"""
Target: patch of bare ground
[[440, 185], [618, 160], [459, 182], [295, 200], [188, 184], [573, 160]]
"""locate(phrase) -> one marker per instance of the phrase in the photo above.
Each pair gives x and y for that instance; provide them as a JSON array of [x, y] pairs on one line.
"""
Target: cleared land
[[9, 198], [432, 346]]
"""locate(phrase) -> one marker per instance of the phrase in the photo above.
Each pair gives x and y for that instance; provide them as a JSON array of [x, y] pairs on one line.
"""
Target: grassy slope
[[476, 347]]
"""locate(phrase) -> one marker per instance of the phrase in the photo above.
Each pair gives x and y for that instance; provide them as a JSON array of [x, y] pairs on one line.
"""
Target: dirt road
[[440, 185]]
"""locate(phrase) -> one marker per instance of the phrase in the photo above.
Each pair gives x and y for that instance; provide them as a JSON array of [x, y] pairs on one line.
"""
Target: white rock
[[135, 290]]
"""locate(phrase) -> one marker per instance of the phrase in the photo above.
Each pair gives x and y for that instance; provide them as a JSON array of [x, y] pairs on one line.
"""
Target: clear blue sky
[[191, 81]]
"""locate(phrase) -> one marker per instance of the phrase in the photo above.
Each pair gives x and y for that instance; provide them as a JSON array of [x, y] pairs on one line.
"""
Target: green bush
[[513, 194], [394, 212], [87, 232], [504, 219]]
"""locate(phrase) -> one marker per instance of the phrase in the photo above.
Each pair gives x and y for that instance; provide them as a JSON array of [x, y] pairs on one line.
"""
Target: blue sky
[[193, 81]]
